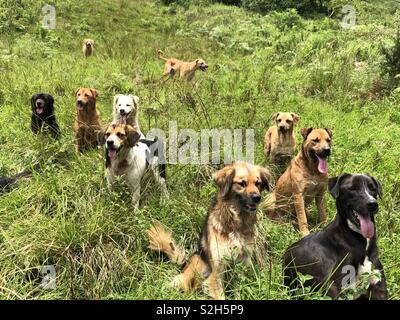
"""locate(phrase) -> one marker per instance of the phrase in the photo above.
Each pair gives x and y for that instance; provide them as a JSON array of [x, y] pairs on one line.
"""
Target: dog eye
[[328, 140], [315, 140], [288, 121], [86, 95], [279, 120], [107, 134], [120, 135]]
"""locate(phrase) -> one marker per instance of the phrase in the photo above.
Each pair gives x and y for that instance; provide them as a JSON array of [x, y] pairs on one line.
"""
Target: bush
[[302, 6], [391, 64]]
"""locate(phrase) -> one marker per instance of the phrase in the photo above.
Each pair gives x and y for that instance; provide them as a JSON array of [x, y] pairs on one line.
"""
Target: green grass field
[[258, 65]]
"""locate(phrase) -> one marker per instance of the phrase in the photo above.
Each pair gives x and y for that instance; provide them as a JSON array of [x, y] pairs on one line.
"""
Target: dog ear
[[330, 132], [296, 118], [116, 97], [132, 136], [94, 93], [135, 100], [305, 132], [334, 184], [76, 92], [33, 99], [275, 116], [224, 179], [265, 178], [101, 136], [378, 186]]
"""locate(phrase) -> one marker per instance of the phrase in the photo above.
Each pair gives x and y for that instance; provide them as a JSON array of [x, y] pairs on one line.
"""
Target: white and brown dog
[[129, 156], [87, 47]]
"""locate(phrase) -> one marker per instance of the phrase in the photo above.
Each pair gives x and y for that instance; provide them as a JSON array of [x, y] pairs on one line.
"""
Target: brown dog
[[229, 230], [87, 47], [186, 70], [87, 121], [280, 140], [305, 179]]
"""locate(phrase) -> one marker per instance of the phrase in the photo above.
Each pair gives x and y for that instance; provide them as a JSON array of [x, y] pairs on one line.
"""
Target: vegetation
[[259, 64]]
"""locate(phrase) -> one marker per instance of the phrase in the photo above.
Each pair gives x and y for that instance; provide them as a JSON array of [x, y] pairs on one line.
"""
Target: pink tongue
[[112, 153], [367, 227], [39, 110], [322, 165], [123, 120]]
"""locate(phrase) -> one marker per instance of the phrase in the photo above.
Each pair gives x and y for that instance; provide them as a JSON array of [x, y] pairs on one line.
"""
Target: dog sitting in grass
[[228, 232], [304, 180], [87, 120], [186, 70], [42, 105], [87, 47], [280, 139]]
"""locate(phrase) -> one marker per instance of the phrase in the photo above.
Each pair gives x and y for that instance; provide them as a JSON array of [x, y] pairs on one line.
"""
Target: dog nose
[[255, 197], [110, 143], [326, 152], [39, 104], [372, 206], [122, 112]]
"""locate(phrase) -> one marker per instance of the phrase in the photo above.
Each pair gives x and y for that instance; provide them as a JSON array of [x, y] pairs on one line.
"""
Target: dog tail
[[161, 240], [161, 55]]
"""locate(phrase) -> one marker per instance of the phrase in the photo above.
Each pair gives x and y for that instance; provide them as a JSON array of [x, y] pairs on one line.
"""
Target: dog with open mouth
[[228, 232], [43, 116], [348, 243], [186, 70], [304, 180], [126, 111], [87, 120], [130, 156], [87, 47]]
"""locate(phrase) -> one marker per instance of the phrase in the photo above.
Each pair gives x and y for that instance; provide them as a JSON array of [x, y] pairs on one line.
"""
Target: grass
[[258, 65]]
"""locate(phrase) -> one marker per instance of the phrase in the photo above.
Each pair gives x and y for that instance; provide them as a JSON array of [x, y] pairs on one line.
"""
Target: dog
[[186, 70], [43, 114], [87, 47], [87, 121], [129, 156], [228, 232], [346, 247], [7, 183], [126, 111], [305, 179], [280, 139]]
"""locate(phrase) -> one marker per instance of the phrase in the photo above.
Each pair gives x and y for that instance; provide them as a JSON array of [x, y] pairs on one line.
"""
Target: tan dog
[[229, 230], [305, 179], [280, 139], [87, 47], [186, 70], [87, 121]]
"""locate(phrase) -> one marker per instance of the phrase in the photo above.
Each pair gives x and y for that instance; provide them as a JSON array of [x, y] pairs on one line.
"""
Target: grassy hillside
[[258, 65]]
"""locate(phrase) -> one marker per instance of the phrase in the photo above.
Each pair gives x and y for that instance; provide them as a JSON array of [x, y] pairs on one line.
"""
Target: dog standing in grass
[[280, 139], [228, 232], [87, 47], [186, 70], [305, 179], [87, 120]]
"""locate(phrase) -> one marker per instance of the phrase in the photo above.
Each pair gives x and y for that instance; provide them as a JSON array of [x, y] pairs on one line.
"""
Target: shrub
[[302, 6], [391, 64]]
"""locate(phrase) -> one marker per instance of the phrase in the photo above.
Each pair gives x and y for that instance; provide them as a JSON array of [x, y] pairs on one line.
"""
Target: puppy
[[305, 179], [280, 139], [228, 232], [129, 156], [186, 70], [126, 111], [338, 255], [43, 114], [87, 121], [87, 47]]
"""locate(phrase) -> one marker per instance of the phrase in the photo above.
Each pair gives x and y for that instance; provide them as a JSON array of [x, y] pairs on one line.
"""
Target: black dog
[[346, 248], [43, 113], [7, 183]]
